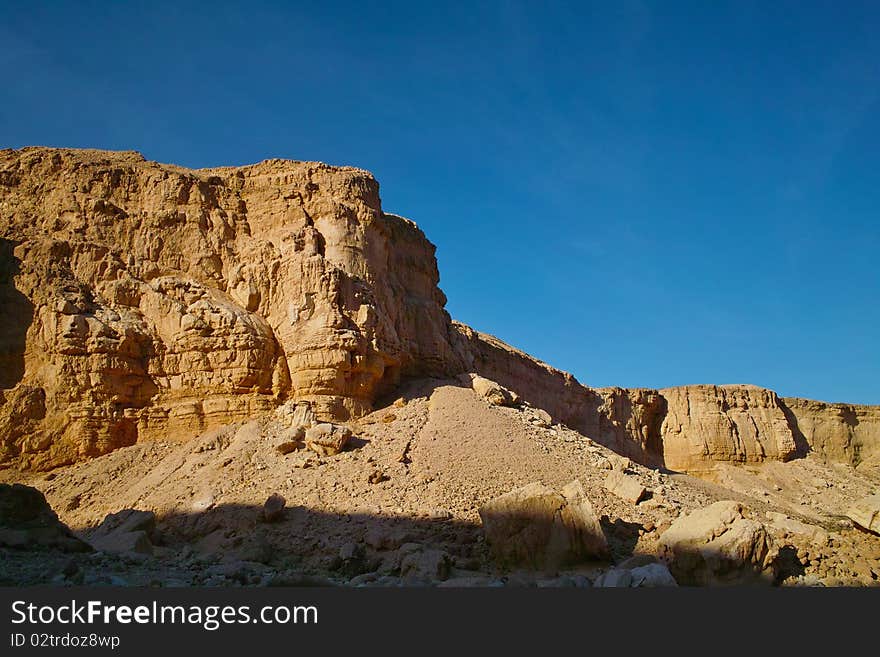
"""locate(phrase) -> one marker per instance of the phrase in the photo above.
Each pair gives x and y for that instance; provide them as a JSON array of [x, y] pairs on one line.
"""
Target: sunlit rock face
[[143, 300]]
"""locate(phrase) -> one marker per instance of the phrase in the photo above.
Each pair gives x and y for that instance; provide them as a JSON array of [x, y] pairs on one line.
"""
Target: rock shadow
[[233, 545], [801, 445], [17, 313]]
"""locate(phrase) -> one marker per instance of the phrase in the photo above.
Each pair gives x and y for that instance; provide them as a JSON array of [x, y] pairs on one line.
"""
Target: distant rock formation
[[146, 301]]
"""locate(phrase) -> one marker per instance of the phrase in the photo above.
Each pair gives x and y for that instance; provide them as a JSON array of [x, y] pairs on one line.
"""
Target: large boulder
[[27, 521], [538, 527], [626, 487], [492, 392], [719, 545], [866, 513], [129, 531]]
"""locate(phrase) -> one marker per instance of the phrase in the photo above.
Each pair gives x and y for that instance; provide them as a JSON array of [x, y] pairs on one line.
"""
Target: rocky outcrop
[[723, 423], [687, 428], [147, 301], [844, 433], [28, 522]]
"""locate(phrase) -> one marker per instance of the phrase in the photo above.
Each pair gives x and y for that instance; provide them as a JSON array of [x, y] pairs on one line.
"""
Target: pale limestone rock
[[652, 575], [492, 392], [791, 527], [327, 439], [866, 513], [718, 544], [646, 576], [624, 486], [614, 579], [538, 527], [290, 440]]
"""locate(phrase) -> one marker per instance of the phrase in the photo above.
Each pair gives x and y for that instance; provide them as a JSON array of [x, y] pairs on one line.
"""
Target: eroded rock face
[[845, 433], [723, 423], [146, 301]]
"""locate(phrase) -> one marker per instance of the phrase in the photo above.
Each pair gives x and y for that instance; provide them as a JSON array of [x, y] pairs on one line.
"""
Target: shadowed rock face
[[147, 301]]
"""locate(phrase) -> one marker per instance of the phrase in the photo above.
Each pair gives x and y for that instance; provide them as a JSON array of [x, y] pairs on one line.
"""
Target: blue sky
[[644, 194]]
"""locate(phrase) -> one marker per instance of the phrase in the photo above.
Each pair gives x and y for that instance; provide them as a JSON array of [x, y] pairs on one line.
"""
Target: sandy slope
[[442, 452]]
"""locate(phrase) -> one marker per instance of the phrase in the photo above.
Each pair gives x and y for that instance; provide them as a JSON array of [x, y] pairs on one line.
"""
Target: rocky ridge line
[[145, 301]]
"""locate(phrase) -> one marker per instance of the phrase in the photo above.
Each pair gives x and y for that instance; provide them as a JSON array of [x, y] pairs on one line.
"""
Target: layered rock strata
[[143, 300], [146, 301]]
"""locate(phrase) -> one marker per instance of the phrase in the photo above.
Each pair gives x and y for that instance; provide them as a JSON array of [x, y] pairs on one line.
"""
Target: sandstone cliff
[[844, 433], [142, 301], [686, 428]]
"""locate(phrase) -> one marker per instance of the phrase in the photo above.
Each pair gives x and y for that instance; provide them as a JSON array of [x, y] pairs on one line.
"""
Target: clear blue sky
[[644, 194]]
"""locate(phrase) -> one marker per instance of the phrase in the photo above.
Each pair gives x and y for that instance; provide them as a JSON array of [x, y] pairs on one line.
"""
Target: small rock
[[287, 446], [432, 565], [203, 502], [352, 560], [360, 580], [327, 439], [620, 463], [636, 561], [541, 418], [377, 477], [273, 508], [124, 543], [382, 538], [492, 392]]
